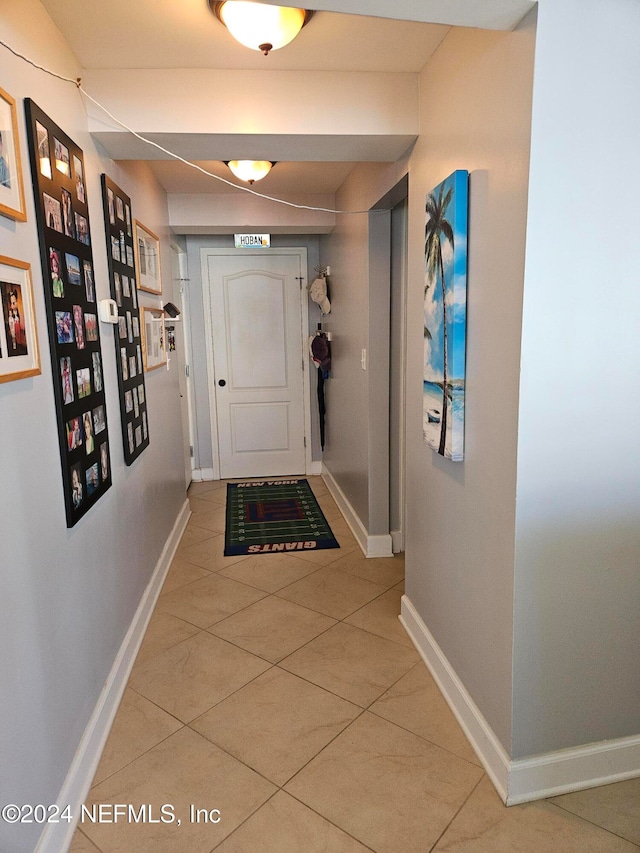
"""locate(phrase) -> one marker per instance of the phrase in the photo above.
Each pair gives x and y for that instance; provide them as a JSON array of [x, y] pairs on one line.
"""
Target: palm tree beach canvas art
[[445, 315]]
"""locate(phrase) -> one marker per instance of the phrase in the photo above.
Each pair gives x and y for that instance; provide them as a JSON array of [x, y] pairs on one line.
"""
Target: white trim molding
[[56, 837], [200, 474], [372, 546], [527, 779]]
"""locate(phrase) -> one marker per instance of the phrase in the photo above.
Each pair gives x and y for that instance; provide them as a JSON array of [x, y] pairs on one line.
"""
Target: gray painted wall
[[476, 113], [68, 596], [203, 452], [577, 578], [357, 449]]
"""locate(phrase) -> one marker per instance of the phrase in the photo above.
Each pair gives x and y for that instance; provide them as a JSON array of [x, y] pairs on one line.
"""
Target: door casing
[[301, 253]]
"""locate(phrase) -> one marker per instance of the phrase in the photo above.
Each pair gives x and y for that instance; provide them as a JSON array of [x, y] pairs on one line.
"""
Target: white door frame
[[301, 252], [181, 295]]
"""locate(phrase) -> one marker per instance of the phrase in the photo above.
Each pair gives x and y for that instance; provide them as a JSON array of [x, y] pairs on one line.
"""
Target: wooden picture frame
[[147, 253], [19, 353], [154, 346], [12, 202], [122, 278]]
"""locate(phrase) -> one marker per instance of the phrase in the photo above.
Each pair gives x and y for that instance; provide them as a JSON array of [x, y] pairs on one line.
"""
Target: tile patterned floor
[[282, 692]]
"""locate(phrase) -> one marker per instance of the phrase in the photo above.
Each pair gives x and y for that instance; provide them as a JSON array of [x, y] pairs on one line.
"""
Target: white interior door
[[257, 348]]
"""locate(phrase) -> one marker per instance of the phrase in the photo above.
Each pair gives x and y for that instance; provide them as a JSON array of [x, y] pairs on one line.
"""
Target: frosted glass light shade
[[258, 26], [250, 170]]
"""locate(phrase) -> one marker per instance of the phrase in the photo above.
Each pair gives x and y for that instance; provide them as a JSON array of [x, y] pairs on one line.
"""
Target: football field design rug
[[280, 516]]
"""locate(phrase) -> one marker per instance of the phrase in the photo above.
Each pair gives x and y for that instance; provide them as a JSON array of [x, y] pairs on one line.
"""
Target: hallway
[[280, 695]]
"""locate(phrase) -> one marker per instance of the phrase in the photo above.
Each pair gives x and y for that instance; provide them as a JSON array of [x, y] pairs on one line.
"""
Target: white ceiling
[[184, 34]]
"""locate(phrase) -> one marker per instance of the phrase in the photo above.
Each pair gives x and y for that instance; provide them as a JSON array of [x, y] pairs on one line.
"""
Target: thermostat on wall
[[108, 311]]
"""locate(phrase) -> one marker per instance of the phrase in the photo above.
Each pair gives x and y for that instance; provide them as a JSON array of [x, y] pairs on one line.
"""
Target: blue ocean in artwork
[[432, 406], [445, 314]]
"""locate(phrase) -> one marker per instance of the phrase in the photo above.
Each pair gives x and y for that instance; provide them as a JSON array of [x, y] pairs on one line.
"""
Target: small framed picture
[[61, 154], [72, 263], [147, 247], [91, 327], [104, 461], [78, 322], [153, 338], [82, 229], [97, 368], [67, 382], [19, 355], [79, 175], [52, 212], [112, 212], [64, 327], [67, 214], [11, 186], [88, 281], [44, 157], [55, 271]]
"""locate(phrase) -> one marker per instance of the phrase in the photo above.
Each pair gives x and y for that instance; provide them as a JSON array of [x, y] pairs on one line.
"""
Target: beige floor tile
[[184, 769], [193, 536], [215, 519], [200, 504], [217, 497], [81, 844], [381, 617], [198, 489], [272, 628], [351, 663], [388, 788], [163, 631], [329, 508], [208, 554], [614, 807], [283, 825], [386, 571], [325, 556], [269, 572], [343, 534], [139, 725], [332, 592], [277, 723], [209, 600], [191, 677], [181, 573], [484, 824], [415, 703]]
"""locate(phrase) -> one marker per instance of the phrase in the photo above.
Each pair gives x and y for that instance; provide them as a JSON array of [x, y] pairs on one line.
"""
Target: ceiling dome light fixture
[[250, 170], [259, 26]]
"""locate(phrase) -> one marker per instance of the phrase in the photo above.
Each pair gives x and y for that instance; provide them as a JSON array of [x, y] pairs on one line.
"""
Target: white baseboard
[[521, 780], [574, 769], [315, 469], [56, 837], [397, 541], [372, 546], [200, 474]]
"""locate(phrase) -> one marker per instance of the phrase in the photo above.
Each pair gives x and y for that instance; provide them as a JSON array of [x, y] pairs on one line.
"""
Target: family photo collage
[[65, 241], [122, 276]]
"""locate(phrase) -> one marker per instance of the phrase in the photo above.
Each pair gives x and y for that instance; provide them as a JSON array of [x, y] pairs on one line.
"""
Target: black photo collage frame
[[64, 234], [118, 223]]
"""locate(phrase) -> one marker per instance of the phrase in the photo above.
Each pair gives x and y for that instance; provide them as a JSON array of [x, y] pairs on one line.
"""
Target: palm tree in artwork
[[438, 229]]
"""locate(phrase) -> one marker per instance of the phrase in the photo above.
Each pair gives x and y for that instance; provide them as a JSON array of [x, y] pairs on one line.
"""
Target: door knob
[[222, 382]]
